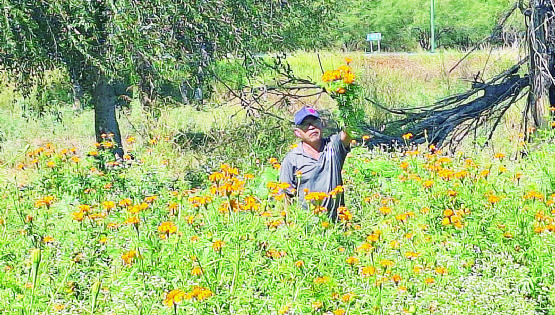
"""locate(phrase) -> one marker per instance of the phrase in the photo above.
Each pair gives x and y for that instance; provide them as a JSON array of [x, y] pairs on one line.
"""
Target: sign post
[[374, 37]]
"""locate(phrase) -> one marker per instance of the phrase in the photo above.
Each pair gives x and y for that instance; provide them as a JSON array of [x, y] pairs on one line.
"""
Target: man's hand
[[345, 138]]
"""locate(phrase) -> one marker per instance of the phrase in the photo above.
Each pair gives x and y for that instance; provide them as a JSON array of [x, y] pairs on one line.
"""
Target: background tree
[[106, 46]]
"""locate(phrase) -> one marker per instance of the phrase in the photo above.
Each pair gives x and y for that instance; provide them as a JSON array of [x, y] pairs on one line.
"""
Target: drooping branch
[[438, 124]]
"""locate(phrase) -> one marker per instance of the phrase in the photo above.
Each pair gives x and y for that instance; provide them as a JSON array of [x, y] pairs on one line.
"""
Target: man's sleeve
[[339, 146], [287, 174]]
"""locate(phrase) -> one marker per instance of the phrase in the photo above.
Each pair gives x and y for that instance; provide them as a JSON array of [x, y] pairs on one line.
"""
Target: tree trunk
[[105, 120], [541, 43]]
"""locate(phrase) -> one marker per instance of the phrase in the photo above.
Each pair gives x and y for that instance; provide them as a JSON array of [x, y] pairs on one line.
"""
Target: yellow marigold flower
[[367, 271], [385, 263], [133, 220], [429, 280], [412, 255], [425, 210], [364, 247], [484, 173], [284, 309], [299, 263], [347, 297], [197, 271], [217, 245], [385, 210], [150, 199], [428, 184], [174, 297], [339, 311], [417, 269], [407, 136], [451, 193], [125, 202], [58, 307], [167, 228], [344, 214], [321, 280], [108, 205], [493, 199], [344, 68], [352, 260], [349, 78], [396, 278], [499, 155], [441, 271], [48, 240], [461, 174], [348, 60], [394, 244], [316, 305], [78, 216], [129, 257], [340, 90], [84, 208]]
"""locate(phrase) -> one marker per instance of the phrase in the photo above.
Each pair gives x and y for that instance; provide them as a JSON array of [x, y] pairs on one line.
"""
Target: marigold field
[[423, 233]]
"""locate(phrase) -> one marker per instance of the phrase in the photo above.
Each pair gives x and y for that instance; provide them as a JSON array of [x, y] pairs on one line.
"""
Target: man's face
[[309, 130]]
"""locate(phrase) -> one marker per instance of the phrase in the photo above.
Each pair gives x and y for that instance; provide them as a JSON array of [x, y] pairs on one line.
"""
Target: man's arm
[[287, 175]]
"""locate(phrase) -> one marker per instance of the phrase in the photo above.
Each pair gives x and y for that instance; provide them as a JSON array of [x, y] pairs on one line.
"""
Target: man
[[315, 164]]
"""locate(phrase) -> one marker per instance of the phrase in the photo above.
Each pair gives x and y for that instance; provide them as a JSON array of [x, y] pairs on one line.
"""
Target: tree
[[105, 46]]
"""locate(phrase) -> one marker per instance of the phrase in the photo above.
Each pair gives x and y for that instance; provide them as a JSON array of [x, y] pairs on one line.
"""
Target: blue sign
[[372, 37]]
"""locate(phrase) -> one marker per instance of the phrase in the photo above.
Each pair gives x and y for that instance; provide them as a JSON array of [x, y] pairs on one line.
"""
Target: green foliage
[[70, 228], [245, 142], [405, 25]]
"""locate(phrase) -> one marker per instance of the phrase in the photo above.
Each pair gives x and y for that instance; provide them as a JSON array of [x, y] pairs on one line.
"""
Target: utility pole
[[432, 37]]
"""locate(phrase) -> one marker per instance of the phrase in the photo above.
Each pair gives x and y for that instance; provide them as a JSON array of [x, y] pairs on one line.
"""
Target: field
[[175, 230]]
